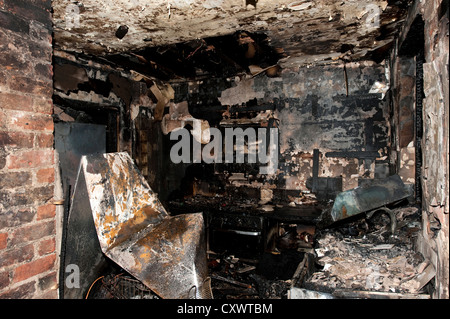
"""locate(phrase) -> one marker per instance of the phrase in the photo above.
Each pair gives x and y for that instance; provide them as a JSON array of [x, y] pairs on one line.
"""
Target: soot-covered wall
[[332, 130]]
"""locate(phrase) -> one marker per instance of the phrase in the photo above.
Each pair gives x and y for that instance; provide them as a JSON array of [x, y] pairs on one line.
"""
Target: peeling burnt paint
[[121, 199], [314, 112], [95, 93]]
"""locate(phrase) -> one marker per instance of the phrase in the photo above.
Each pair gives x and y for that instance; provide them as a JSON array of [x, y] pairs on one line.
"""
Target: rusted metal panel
[[367, 198], [167, 253]]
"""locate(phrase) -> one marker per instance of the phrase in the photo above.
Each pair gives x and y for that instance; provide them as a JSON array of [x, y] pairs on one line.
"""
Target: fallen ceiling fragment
[[179, 116]]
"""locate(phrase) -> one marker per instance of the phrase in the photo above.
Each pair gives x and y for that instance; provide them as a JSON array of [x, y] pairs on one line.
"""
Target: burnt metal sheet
[[166, 253], [79, 244], [372, 196], [80, 247], [73, 140]]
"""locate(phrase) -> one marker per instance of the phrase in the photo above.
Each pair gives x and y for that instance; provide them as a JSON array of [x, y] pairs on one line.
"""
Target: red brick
[[29, 11], [28, 85], [46, 175], [50, 294], [32, 232], [3, 240], [47, 246], [43, 105], [4, 279], [45, 4], [44, 140], [31, 159], [11, 22], [13, 61], [3, 120], [15, 218], [26, 196], [2, 77], [30, 121], [34, 268], [40, 51], [48, 282], [15, 101], [16, 255], [24, 291], [46, 211], [16, 139], [44, 72], [3, 155], [14, 179]]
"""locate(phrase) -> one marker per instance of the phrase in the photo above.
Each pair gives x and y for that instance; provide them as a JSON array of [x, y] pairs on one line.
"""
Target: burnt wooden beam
[[354, 154], [254, 108], [315, 169]]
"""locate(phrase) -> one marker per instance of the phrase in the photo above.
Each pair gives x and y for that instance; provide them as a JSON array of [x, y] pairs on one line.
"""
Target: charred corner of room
[[266, 272], [86, 92]]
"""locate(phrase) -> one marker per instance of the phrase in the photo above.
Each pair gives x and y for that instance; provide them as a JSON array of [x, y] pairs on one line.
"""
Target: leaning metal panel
[[364, 199], [166, 253]]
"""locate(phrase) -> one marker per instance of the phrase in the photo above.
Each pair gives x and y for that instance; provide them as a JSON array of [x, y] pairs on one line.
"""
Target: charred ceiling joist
[[240, 52]]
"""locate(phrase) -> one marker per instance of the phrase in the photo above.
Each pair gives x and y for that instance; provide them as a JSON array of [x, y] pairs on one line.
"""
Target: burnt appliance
[[247, 235]]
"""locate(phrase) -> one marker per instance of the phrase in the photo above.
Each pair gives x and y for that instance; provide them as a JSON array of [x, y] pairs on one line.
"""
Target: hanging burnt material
[[166, 253]]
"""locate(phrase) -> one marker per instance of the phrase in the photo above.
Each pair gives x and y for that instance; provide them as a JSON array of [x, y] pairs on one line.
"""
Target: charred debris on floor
[[244, 249], [276, 251], [285, 252], [359, 259]]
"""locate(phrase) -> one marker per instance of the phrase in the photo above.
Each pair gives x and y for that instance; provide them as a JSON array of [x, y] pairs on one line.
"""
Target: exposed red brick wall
[[28, 259]]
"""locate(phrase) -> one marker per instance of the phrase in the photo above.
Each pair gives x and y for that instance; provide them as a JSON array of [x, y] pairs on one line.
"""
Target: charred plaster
[[309, 31], [350, 133], [95, 93]]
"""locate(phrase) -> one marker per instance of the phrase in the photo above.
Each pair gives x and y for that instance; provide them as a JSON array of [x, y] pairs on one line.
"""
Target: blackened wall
[[324, 108], [315, 112]]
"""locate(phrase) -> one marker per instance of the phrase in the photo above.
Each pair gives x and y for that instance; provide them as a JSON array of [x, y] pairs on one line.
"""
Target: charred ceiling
[[241, 52], [191, 39]]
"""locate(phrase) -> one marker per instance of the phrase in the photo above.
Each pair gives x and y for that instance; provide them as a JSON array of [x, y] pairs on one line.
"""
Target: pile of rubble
[[268, 278], [364, 258]]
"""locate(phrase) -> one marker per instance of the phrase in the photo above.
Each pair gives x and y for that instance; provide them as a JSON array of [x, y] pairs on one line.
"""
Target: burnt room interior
[[347, 101]]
